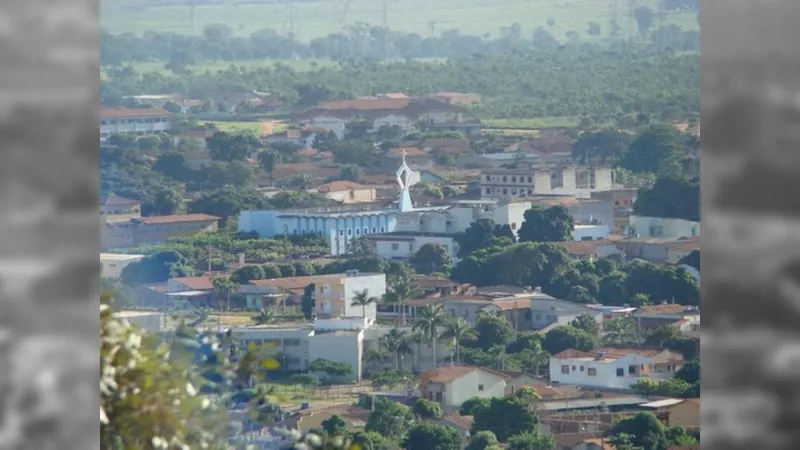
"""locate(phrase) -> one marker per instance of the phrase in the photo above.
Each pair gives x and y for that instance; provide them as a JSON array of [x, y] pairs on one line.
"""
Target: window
[[592, 372], [538, 317], [395, 246], [374, 230], [573, 368], [620, 372], [349, 232], [480, 387], [513, 192], [366, 230], [505, 179], [112, 265], [565, 369], [488, 191], [530, 191], [581, 368], [530, 179], [631, 370], [341, 232], [505, 191], [383, 229], [411, 246], [358, 231], [488, 178], [513, 225], [513, 179]]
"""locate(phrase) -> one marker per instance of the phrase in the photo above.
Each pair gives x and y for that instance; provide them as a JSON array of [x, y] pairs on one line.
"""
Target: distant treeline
[[219, 43]]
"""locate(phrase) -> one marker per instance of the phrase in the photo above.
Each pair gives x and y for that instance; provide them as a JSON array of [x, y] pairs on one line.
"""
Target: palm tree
[[374, 356], [362, 299], [264, 316], [536, 357], [267, 159], [619, 330], [395, 342], [418, 339], [457, 330], [402, 288], [225, 287], [429, 319]]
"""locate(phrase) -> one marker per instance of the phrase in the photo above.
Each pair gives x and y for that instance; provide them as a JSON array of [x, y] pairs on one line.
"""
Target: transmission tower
[[291, 11]]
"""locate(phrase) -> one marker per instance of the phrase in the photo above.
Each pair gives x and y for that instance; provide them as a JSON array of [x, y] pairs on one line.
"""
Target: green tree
[[482, 440], [586, 323], [370, 440], [427, 409], [396, 342], [308, 301], [225, 287], [670, 197], [267, 160], [264, 316], [432, 258], [480, 234], [429, 320], [604, 146], [690, 372], [554, 224], [692, 259], [457, 329], [468, 407], [504, 416], [230, 147], [401, 289], [531, 440], [156, 268], [658, 149], [247, 274], [389, 418], [350, 172], [564, 337], [363, 299], [620, 330], [426, 436], [644, 430], [228, 202], [334, 426], [172, 165], [492, 330], [673, 387]]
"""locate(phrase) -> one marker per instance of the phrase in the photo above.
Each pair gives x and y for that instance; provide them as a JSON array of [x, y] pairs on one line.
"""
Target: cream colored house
[[453, 385], [113, 263]]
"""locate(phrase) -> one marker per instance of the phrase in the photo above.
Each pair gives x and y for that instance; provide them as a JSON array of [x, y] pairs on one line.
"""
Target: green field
[[316, 18]]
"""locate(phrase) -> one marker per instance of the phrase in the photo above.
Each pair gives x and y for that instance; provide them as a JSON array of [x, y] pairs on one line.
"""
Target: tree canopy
[[553, 224]]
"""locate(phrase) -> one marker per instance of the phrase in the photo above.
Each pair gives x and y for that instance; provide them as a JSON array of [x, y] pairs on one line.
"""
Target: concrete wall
[[474, 384], [114, 264], [341, 346], [590, 232], [660, 227]]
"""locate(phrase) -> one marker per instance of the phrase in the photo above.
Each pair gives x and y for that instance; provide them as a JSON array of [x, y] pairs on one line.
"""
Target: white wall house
[[613, 368], [451, 386], [113, 263], [663, 227], [401, 246], [590, 232], [133, 121], [548, 311]]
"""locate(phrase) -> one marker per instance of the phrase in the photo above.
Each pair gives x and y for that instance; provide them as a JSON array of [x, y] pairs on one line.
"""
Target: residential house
[[590, 232], [593, 404], [516, 311], [348, 192], [451, 386], [405, 244], [404, 113], [613, 368], [536, 180], [114, 208], [114, 263], [681, 249], [438, 287], [682, 317], [442, 147], [574, 421], [142, 231], [663, 227], [139, 121], [658, 250], [684, 412], [590, 250], [303, 137], [197, 291], [623, 200], [548, 312], [334, 292], [456, 98]]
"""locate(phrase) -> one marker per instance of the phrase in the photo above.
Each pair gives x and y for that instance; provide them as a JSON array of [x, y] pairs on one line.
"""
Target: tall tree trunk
[[433, 351], [402, 312], [458, 352]]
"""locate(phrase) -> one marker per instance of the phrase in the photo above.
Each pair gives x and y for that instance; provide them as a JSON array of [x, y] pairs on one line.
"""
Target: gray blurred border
[[49, 238]]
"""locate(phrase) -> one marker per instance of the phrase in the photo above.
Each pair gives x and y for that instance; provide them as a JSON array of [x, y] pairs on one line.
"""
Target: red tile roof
[[571, 353], [196, 283], [508, 305], [451, 373], [661, 309], [179, 218], [123, 112], [410, 151], [365, 104]]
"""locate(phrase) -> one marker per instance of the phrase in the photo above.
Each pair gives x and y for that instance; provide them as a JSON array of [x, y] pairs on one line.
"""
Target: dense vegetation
[[573, 81]]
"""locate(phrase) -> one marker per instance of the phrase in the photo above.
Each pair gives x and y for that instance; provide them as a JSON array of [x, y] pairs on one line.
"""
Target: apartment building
[[133, 121], [538, 180]]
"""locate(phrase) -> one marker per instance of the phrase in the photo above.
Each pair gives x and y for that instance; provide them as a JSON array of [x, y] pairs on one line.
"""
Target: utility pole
[[385, 22]]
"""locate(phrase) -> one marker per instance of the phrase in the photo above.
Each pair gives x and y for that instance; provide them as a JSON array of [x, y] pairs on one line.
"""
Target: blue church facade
[[340, 225]]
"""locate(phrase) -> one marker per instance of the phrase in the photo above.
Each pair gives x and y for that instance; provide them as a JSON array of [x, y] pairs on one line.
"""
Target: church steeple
[[404, 180]]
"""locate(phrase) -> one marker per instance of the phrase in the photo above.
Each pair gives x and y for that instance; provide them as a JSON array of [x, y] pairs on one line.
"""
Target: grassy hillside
[[315, 18]]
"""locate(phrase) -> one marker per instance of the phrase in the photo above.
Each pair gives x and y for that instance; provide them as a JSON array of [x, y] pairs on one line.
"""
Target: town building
[[138, 122], [452, 386], [303, 138], [613, 368], [663, 227], [623, 200], [541, 179], [683, 412], [114, 208], [404, 113], [548, 312], [114, 263]]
